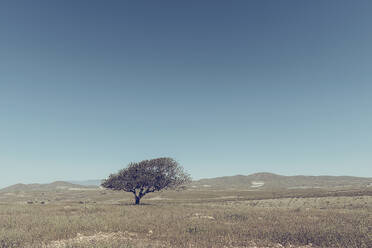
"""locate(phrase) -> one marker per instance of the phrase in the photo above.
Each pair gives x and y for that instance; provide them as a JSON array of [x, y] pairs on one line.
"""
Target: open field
[[191, 218]]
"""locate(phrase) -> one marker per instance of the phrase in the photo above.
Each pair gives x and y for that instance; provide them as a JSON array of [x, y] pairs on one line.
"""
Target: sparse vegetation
[[192, 218]]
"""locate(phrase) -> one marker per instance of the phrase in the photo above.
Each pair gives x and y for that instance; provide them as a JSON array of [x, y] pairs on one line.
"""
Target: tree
[[148, 176]]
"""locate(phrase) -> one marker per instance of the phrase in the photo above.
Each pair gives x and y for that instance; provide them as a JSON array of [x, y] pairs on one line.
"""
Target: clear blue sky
[[224, 87]]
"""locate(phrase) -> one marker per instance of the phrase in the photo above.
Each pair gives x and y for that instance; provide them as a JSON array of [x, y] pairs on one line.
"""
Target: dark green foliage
[[148, 176]]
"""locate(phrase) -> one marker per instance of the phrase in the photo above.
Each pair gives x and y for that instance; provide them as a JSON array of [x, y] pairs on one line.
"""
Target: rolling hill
[[92, 182], [270, 180], [262, 180], [55, 186]]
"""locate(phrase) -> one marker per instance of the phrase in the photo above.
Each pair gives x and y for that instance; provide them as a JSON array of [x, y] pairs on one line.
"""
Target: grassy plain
[[191, 218]]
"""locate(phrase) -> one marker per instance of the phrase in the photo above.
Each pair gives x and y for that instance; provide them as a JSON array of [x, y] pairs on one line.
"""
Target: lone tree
[[148, 176]]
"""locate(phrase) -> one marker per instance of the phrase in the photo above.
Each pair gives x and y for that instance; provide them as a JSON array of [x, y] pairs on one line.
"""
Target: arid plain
[[203, 215]]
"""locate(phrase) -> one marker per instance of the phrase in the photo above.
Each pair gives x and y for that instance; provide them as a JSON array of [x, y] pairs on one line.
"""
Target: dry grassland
[[206, 218]]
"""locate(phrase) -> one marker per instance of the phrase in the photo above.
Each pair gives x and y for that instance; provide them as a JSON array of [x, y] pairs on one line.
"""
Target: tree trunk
[[137, 200]]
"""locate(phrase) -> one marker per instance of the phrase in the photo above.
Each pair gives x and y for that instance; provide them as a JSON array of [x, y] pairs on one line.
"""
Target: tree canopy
[[148, 176]]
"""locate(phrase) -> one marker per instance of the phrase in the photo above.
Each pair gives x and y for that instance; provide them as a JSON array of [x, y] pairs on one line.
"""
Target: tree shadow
[[132, 204]]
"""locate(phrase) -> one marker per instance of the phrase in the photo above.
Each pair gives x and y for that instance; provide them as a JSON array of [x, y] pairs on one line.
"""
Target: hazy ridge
[[270, 180], [58, 185], [254, 181]]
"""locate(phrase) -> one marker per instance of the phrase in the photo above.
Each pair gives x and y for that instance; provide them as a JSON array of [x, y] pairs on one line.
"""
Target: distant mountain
[[262, 180], [270, 180], [93, 182], [55, 186]]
